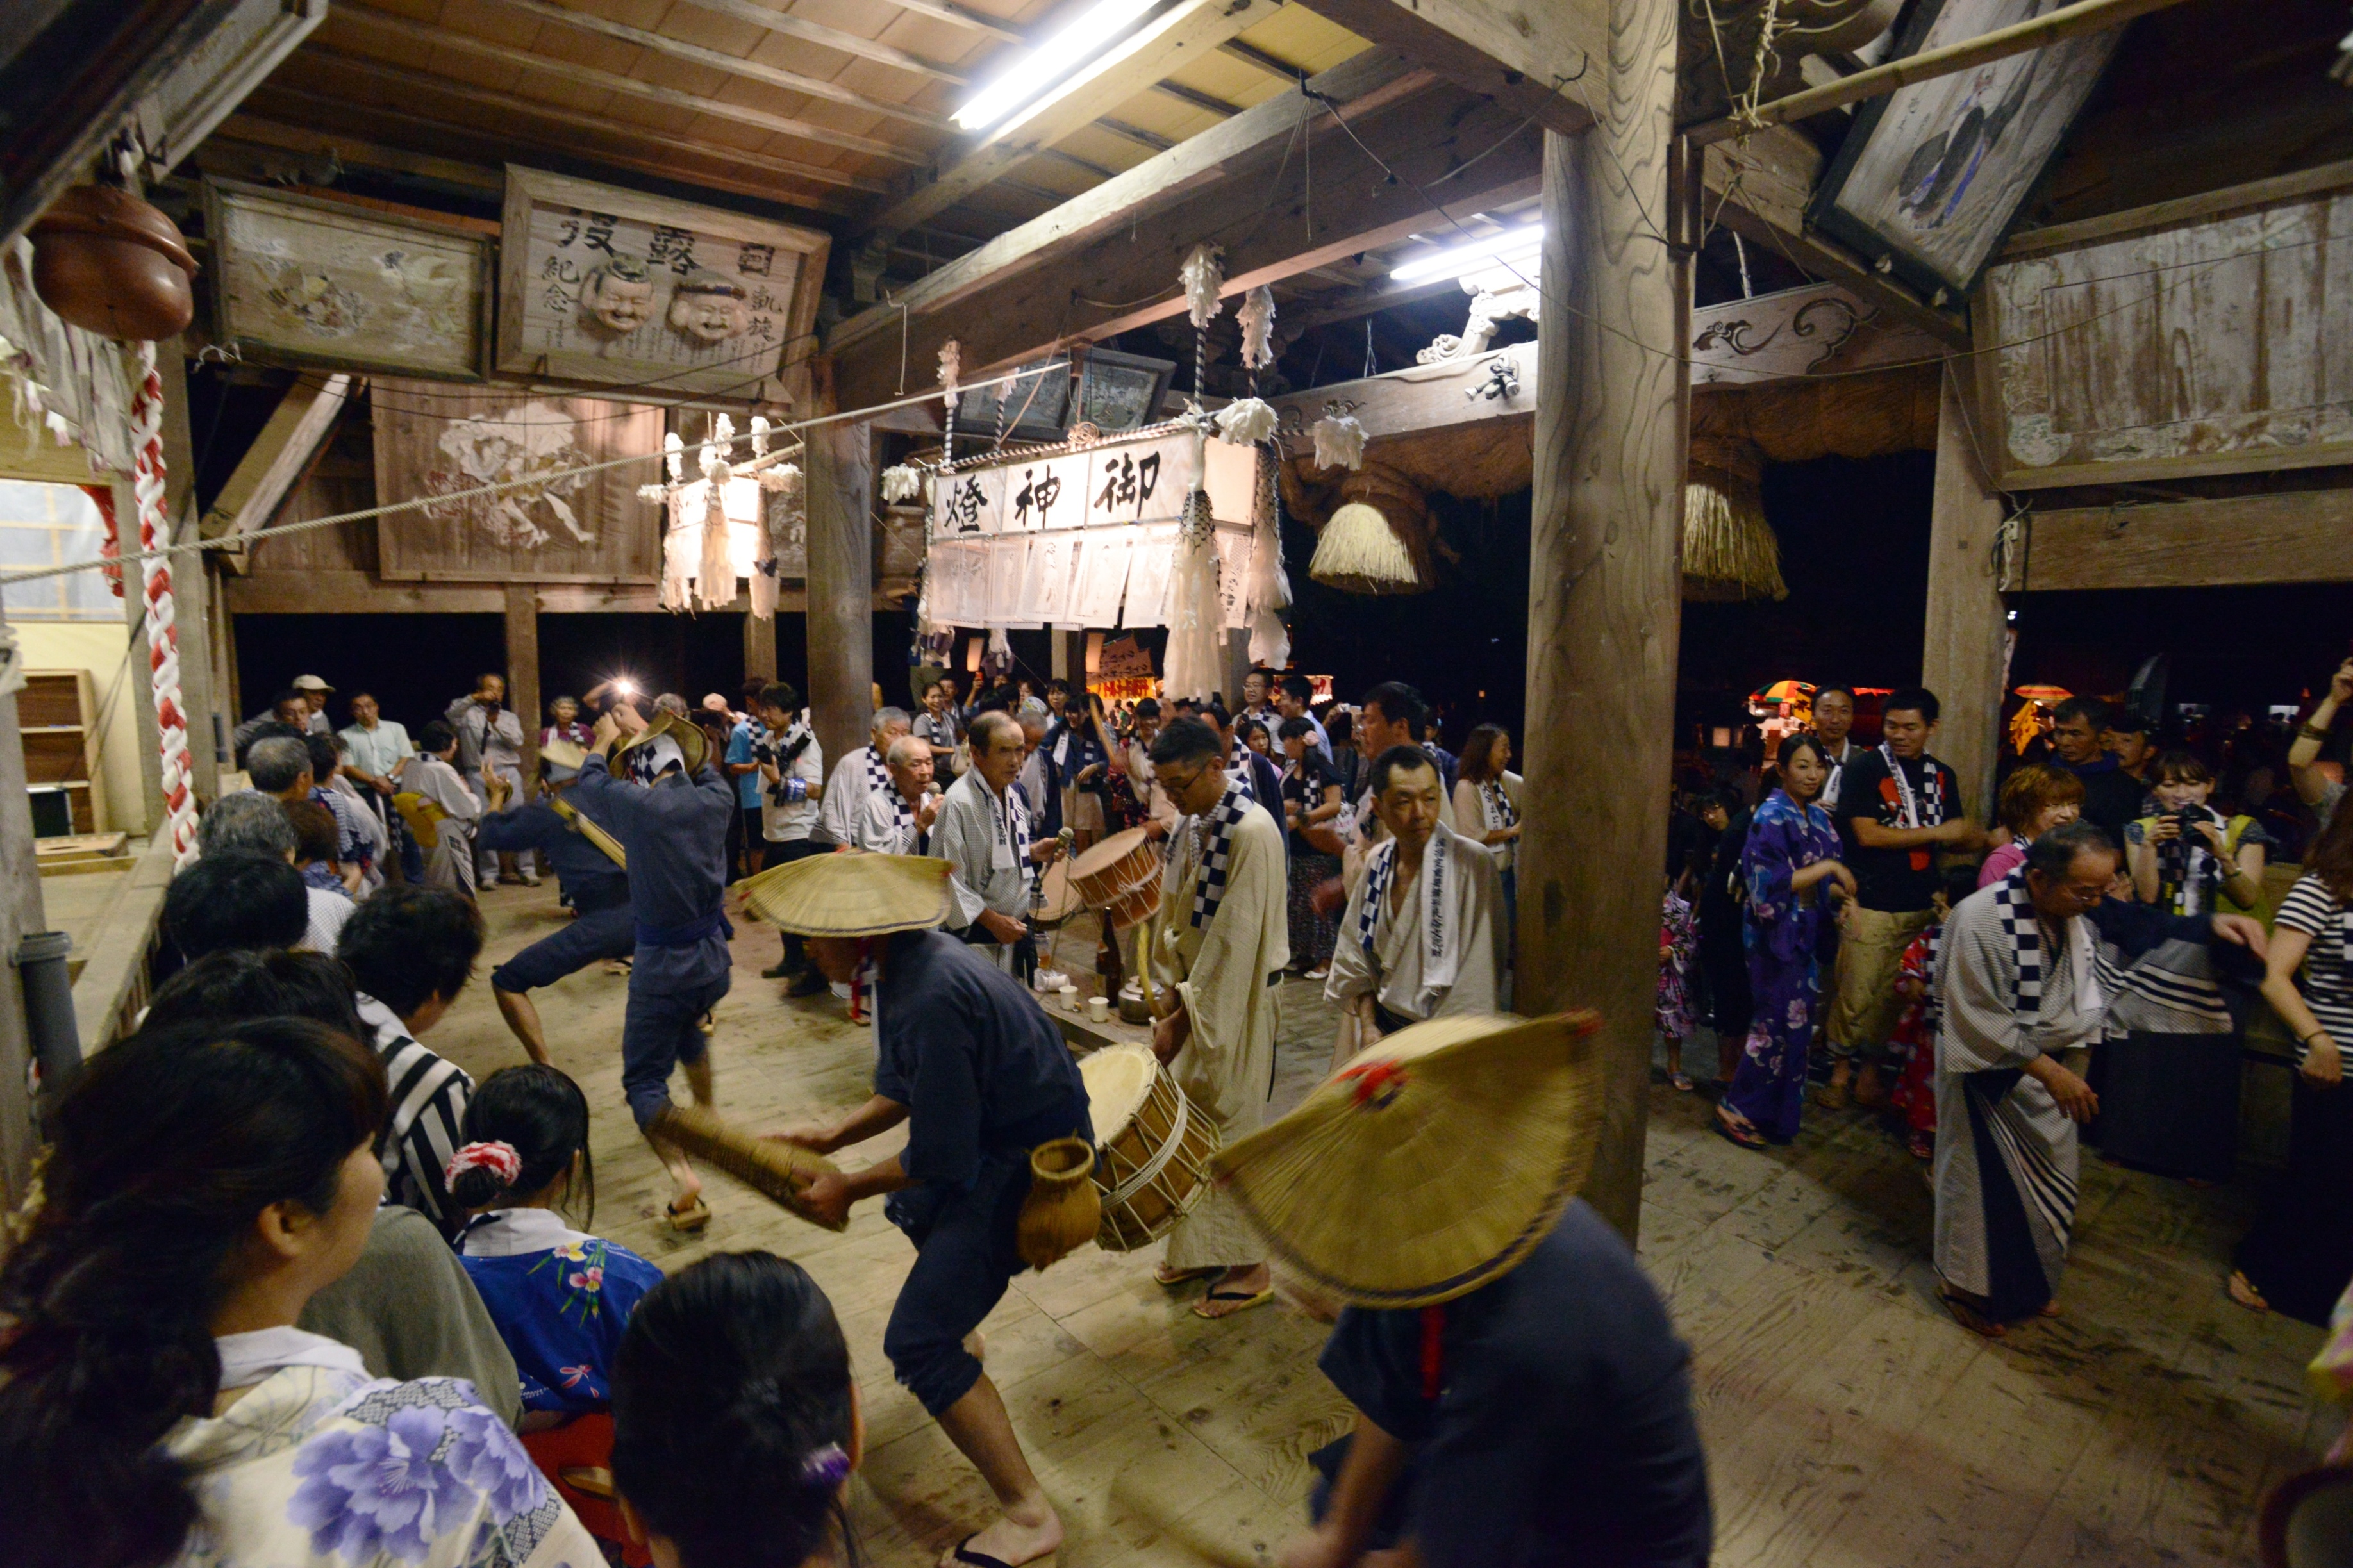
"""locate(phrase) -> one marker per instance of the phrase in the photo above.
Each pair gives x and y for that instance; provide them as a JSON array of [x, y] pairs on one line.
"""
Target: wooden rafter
[[817, 32], [720, 60], [1543, 60], [1015, 312], [732, 169], [963, 17], [440, 38], [1166, 41], [1359, 87]]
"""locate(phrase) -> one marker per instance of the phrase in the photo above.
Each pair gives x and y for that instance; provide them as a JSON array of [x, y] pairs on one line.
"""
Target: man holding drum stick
[[980, 1077], [1222, 944]]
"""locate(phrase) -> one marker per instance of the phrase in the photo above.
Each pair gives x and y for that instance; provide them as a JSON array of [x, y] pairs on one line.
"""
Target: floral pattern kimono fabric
[[1781, 930], [560, 1298], [321, 1466]]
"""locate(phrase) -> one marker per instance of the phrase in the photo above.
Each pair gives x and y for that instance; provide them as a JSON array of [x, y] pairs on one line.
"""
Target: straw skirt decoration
[[851, 895], [1359, 552], [1730, 550], [1432, 1163]]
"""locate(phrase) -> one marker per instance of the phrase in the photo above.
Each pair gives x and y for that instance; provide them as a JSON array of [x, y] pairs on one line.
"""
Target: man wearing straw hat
[[980, 1077], [592, 870], [1223, 942], [669, 810], [1522, 1398]]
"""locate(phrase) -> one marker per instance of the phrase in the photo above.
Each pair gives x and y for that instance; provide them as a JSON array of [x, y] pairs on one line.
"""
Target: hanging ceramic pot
[[111, 264]]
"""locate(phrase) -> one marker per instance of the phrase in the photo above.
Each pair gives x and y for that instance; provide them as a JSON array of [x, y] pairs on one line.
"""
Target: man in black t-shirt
[[1897, 807]]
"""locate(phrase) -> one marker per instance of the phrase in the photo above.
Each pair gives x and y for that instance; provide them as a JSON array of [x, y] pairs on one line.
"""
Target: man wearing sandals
[[668, 806], [1222, 943], [2030, 965]]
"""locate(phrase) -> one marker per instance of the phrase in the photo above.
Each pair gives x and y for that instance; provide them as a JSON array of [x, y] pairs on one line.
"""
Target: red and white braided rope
[[163, 633]]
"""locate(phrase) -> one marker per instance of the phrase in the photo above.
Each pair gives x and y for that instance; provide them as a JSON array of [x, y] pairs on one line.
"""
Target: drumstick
[[773, 1169]]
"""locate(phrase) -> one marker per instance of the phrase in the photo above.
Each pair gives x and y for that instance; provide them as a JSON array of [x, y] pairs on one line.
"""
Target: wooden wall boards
[[602, 284], [577, 527], [2196, 347], [321, 282]]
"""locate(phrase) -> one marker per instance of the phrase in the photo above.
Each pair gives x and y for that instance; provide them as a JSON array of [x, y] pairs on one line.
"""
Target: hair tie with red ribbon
[[497, 1158]]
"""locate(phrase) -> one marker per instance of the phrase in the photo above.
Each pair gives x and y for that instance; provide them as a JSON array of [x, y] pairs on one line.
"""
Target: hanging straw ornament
[[950, 372], [1204, 280], [678, 553], [1195, 628], [1245, 422], [1730, 550], [901, 483], [1256, 315], [715, 575], [1270, 585], [1339, 441]]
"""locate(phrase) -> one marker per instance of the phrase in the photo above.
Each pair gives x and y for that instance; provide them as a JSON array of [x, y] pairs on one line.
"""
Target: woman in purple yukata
[[560, 1297], [1792, 851]]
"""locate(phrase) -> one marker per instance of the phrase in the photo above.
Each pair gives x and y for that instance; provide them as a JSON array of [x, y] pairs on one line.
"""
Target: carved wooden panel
[[1816, 330], [562, 526], [2208, 348]]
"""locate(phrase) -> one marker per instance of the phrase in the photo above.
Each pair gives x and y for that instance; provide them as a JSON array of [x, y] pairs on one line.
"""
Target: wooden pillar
[[759, 649], [1237, 668], [1963, 659], [1604, 592], [523, 669], [20, 911], [840, 489]]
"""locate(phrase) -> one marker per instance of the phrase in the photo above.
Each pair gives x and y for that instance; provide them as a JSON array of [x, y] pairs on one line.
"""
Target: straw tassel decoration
[[715, 577], [678, 552]]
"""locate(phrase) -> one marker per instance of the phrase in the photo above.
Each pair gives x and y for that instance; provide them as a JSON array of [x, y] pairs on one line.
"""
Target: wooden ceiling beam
[[1135, 133], [256, 136], [817, 32], [1163, 42], [1250, 54], [1195, 97], [746, 174], [1543, 60], [613, 81], [965, 17], [1360, 87], [1012, 313], [720, 60]]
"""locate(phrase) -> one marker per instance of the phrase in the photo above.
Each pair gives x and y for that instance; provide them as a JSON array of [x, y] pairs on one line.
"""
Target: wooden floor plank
[[1850, 1423]]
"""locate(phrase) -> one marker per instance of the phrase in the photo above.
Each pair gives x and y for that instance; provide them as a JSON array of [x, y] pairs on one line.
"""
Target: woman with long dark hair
[[2299, 1255], [156, 1399], [737, 1422], [1792, 851]]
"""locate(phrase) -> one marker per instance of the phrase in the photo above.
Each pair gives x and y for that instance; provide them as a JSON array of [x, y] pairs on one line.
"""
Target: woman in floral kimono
[[1792, 850], [560, 1297], [157, 1404]]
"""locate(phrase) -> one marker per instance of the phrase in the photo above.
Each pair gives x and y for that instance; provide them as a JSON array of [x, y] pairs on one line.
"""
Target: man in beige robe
[[1223, 941], [1422, 934]]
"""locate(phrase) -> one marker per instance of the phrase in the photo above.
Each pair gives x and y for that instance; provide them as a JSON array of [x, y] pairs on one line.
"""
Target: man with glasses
[[2030, 967]]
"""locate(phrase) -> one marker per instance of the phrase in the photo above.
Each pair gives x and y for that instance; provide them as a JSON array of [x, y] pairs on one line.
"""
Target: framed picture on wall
[[1931, 177], [322, 283], [602, 284], [1122, 391], [1035, 406]]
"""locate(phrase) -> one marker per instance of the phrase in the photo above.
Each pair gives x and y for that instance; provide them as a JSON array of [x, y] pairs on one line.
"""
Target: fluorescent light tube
[[1052, 62], [1454, 258]]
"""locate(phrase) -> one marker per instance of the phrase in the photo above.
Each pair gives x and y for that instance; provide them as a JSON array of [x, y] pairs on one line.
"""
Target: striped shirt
[[2311, 908], [428, 1097]]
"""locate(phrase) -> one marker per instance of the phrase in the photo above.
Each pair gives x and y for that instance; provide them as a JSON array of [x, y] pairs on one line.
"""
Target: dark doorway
[[415, 665]]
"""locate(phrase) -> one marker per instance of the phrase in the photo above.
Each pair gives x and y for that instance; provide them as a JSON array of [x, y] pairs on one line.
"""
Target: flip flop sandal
[[1751, 1139], [1244, 1300], [1922, 1146], [2243, 1290], [964, 1554], [1969, 1317], [1681, 1082], [1184, 1277], [688, 1220]]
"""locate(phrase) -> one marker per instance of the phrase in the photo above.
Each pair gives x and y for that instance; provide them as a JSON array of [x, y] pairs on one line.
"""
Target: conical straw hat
[[688, 736], [563, 755], [1431, 1163], [851, 895]]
